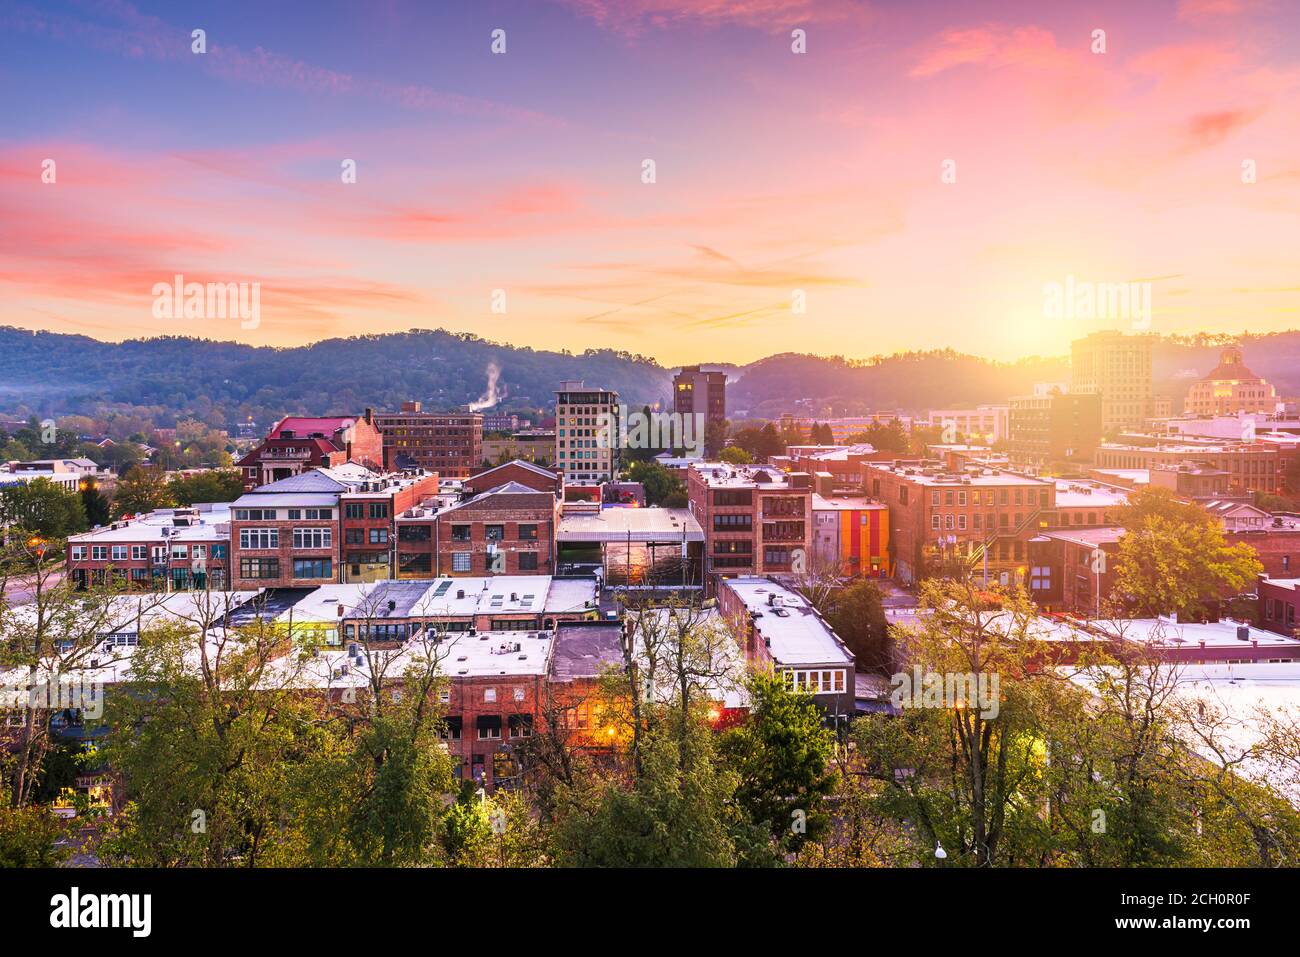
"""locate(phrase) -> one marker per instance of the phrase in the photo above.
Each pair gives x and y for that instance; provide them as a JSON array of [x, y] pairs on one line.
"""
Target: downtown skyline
[[776, 173]]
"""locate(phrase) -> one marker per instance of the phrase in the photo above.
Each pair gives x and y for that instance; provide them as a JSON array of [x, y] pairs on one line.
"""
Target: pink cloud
[[995, 46], [632, 17]]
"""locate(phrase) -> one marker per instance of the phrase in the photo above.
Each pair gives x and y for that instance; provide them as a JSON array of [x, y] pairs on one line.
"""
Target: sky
[[924, 175]]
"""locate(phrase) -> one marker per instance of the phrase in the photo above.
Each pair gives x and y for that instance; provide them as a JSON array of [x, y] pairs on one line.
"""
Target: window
[[460, 561], [354, 536], [494, 533], [313, 568], [518, 694], [119, 553], [259, 568], [139, 553], [489, 727], [528, 533], [528, 561], [78, 553], [1040, 578], [180, 552], [99, 553], [934, 521], [378, 509], [489, 694], [255, 515], [354, 510], [460, 533], [313, 538], [259, 538], [521, 725]]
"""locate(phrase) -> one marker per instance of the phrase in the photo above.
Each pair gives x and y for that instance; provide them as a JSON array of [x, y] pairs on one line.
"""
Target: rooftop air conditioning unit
[[1243, 633]]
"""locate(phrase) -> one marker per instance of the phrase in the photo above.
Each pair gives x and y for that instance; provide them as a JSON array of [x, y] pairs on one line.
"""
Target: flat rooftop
[[1092, 537], [634, 524], [845, 503], [445, 598], [1084, 494], [721, 475], [796, 634], [160, 525], [939, 476]]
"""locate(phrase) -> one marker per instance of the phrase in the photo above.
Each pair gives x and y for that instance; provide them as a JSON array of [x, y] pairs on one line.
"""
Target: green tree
[[857, 614], [734, 455], [1171, 566], [43, 508], [32, 837], [782, 757], [214, 485], [95, 504], [140, 491], [662, 487]]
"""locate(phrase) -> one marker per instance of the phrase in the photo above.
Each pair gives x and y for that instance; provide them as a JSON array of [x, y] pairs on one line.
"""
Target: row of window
[[827, 681], [268, 538], [291, 514], [140, 553], [1018, 496], [253, 568]]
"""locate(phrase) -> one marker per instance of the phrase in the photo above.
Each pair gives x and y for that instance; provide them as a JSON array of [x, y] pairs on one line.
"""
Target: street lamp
[[939, 852]]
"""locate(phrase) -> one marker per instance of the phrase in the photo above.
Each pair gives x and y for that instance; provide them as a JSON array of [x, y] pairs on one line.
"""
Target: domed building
[[1230, 388]]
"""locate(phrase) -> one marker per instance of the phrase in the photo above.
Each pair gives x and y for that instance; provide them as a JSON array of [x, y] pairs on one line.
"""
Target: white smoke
[[495, 392]]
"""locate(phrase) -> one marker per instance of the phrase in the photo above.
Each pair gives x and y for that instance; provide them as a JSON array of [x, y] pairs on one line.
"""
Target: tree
[[966, 774], [95, 504], [673, 814], [857, 614], [220, 732], [782, 757], [1171, 566], [215, 485], [56, 631], [40, 507], [761, 444], [884, 437], [32, 837], [734, 455], [1156, 502], [661, 486], [140, 491]]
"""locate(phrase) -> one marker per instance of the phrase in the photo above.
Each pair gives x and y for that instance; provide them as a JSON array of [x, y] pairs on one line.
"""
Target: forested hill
[[224, 383]]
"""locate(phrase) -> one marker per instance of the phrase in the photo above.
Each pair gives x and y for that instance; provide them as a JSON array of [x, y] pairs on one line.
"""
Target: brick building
[[298, 444], [507, 530], [851, 532], [449, 443], [519, 472], [1056, 427], [170, 549], [327, 525], [1251, 466], [980, 518], [756, 520], [779, 630]]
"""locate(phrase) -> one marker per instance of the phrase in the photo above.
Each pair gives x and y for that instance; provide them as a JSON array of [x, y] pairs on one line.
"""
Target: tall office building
[[1118, 368], [587, 433], [695, 390]]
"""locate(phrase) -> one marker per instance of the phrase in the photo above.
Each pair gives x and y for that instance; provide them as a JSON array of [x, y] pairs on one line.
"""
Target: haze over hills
[[46, 373]]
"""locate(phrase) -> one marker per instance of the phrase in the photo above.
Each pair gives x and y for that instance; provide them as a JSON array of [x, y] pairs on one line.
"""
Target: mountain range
[[45, 373]]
